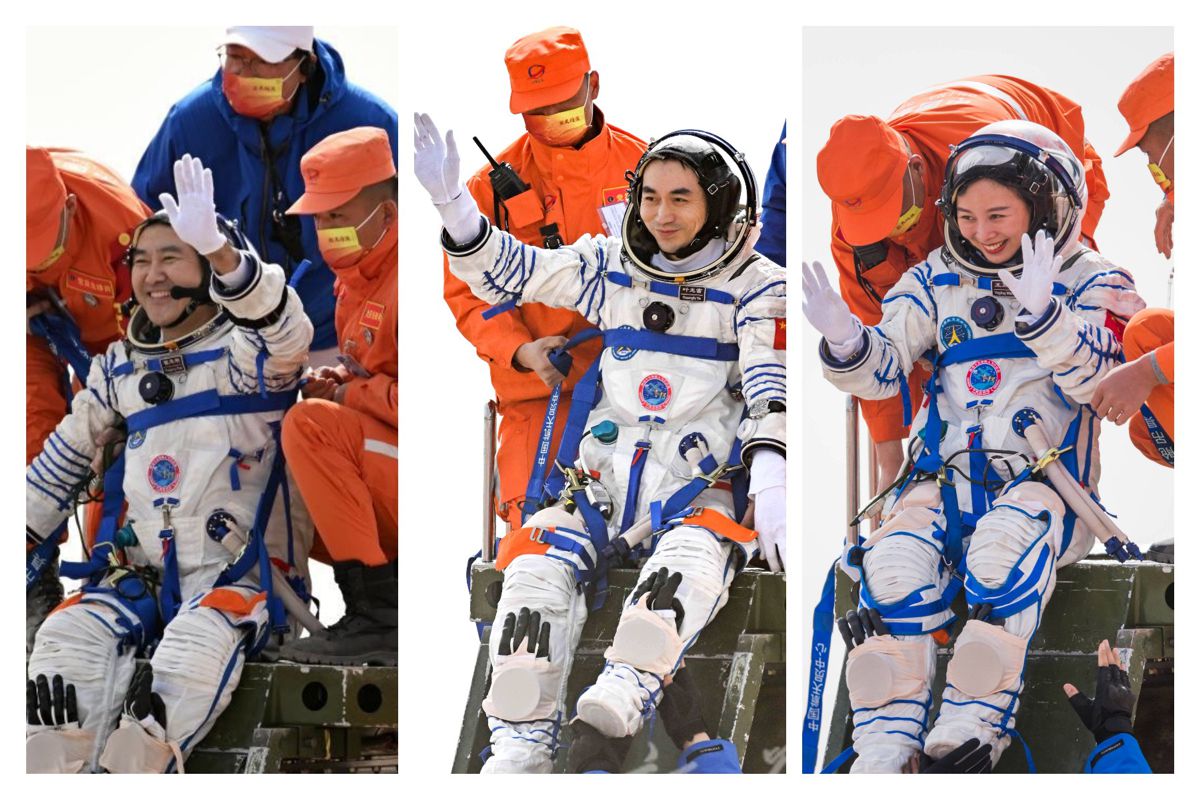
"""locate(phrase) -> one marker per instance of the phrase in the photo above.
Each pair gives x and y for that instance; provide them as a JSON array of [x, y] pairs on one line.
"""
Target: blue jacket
[[205, 125], [772, 243], [1118, 754], [711, 757]]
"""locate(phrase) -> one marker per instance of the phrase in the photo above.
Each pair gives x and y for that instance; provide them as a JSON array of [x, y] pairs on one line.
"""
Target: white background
[[1138, 491], [646, 89]]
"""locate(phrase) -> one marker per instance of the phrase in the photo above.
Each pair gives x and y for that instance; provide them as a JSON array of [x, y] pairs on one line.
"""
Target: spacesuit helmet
[[1038, 165], [731, 196], [199, 294]]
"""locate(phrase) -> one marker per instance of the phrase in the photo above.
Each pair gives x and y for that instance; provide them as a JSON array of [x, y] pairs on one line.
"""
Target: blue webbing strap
[[187, 360], [560, 357], [641, 455], [64, 338], [104, 544], [678, 291], [818, 670], [1158, 436], [170, 596]]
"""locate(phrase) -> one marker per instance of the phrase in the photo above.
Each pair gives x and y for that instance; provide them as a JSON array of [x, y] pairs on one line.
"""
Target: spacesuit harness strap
[[65, 339], [207, 403]]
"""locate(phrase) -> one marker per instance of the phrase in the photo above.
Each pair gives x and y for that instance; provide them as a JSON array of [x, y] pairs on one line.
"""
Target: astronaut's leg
[[524, 736], [625, 693], [196, 668], [889, 676], [1011, 567], [91, 644]]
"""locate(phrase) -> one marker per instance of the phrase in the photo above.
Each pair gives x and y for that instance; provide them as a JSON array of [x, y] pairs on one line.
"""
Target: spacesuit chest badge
[[983, 377], [654, 392]]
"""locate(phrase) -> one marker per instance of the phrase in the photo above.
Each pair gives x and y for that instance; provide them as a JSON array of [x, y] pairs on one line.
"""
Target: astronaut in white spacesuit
[[1019, 332], [210, 362], [693, 324]]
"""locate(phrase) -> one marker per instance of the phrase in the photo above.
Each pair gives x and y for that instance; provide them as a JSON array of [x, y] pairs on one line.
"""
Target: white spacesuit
[[1000, 364], [679, 357], [202, 415]]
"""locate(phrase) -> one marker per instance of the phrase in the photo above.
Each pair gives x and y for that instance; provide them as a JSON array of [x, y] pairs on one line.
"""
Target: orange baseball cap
[[339, 166], [545, 68], [1149, 97], [45, 196], [860, 168]]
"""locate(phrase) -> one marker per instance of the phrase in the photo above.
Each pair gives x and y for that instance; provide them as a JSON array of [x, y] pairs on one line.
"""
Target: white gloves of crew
[[436, 164], [1039, 266], [828, 313], [194, 217], [768, 487]]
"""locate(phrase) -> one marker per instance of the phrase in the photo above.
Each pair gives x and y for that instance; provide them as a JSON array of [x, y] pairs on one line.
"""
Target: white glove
[[436, 164], [194, 217], [1039, 266], [827, 311], [768, 487]]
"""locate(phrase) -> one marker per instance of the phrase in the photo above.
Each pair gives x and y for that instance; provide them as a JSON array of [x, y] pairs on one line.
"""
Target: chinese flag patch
[[780, 334]]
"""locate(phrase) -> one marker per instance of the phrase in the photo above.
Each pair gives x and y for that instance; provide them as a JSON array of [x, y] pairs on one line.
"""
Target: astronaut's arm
[[1077, 341], [64, 463], [273, 333], [880, 364], [761, 325], [502, 269]]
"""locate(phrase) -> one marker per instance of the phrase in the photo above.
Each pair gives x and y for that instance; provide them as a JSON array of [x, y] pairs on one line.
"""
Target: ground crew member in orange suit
[[78, 218], [574, 163], [340, 440], [884, 177], [1148, 375]]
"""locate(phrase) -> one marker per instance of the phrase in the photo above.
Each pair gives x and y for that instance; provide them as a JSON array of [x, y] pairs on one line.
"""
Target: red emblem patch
[[614, 196], [372, 315], [780, 334], [101, 287]]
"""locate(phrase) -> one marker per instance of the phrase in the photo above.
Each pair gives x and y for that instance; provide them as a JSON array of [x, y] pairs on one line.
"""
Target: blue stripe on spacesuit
[[759, 292], [55, 439], [891, 298], [61, 502]]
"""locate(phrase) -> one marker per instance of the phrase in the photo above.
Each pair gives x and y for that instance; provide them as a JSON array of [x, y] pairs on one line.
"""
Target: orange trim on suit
[[570, 186], [932, 121]]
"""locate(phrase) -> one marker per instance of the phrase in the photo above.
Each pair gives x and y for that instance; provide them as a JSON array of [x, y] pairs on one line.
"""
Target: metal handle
[[852, 497], [489, 480]]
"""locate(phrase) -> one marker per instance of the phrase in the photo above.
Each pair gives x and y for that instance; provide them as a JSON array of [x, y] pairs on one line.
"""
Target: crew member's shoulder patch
[[624, 352]]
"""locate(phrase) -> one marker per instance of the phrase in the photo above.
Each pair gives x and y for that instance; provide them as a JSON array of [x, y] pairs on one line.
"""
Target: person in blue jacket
[[772, 242], [277, 93]]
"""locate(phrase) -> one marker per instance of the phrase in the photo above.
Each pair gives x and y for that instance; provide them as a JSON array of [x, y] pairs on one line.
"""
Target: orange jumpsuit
[[90, 277], [344, 456], [1154, 329], [932, 121], [571, 186]]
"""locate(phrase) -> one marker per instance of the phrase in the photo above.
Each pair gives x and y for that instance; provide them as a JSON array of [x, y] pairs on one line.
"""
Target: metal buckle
[[537, 535]]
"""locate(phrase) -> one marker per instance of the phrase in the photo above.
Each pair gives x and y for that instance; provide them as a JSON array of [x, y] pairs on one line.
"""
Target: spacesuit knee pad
[[59, 750], [199, 661], [524, 688], [646, 639], [82, 642], [131, 749], [886, 668], [547, 586], [987, 659], [705, 562]]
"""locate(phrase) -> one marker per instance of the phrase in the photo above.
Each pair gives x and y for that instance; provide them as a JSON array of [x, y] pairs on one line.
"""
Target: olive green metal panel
[[290, 717], [1129, 604], [737, 663]]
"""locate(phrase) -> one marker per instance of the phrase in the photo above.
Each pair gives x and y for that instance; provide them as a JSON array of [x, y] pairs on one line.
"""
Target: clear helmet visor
[[729, 192]]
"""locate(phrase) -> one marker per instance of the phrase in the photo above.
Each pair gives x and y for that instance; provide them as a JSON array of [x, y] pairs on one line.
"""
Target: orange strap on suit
[[1153, 329], [572, 185], [931, 122], [90, 277]]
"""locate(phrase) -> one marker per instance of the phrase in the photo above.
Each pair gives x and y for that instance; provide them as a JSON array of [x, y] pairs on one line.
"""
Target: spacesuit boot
[[367, 633], [40, 600]]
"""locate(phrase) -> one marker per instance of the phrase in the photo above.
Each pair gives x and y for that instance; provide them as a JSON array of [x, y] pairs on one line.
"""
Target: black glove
[[525, 626], [1111, 713], [859, 625], [141, 702], [50, 706], [967, 757], [662, 586], [679, 709], [591, 750]]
